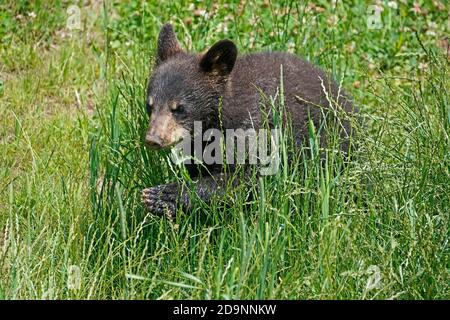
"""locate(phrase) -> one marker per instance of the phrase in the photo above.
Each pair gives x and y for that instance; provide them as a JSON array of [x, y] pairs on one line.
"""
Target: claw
[[160, 200]]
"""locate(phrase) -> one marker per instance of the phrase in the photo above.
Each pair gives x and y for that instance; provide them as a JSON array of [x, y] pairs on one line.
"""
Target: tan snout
[[153, 140], [164, 131]]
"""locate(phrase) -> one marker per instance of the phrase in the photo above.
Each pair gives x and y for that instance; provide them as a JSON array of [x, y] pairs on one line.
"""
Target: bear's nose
[[153, 141]]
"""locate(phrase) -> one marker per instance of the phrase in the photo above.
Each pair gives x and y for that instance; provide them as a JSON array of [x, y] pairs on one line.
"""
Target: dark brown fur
[[190, 87]]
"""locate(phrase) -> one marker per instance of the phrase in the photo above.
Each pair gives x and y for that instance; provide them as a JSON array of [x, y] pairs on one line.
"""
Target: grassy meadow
[[72, 120]]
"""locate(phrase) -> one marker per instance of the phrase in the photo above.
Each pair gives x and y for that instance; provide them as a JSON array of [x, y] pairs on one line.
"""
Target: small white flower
[[422, 66], [432, 25], [200, 12], [291, 47], [393, 5]]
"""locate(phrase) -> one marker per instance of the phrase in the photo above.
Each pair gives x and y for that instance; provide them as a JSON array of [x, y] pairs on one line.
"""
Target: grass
[[73, 159]]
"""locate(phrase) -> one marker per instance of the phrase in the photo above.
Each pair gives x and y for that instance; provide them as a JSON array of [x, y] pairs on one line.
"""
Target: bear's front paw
[[160, 200]]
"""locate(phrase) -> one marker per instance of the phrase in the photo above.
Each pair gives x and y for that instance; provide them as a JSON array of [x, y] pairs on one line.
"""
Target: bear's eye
[[148, 106], [178, 108]]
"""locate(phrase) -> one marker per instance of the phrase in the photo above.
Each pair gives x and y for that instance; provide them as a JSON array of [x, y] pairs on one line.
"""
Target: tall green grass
[[372, 228]]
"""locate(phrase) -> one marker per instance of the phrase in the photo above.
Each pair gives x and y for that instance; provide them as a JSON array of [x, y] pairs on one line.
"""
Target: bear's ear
[[220, 58], [167, 44]]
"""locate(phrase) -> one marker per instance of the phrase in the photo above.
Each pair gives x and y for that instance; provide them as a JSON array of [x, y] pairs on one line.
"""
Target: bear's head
[[184, 88]]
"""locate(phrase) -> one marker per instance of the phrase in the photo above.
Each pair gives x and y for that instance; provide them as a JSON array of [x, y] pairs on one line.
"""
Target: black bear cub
[[221, 90]]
